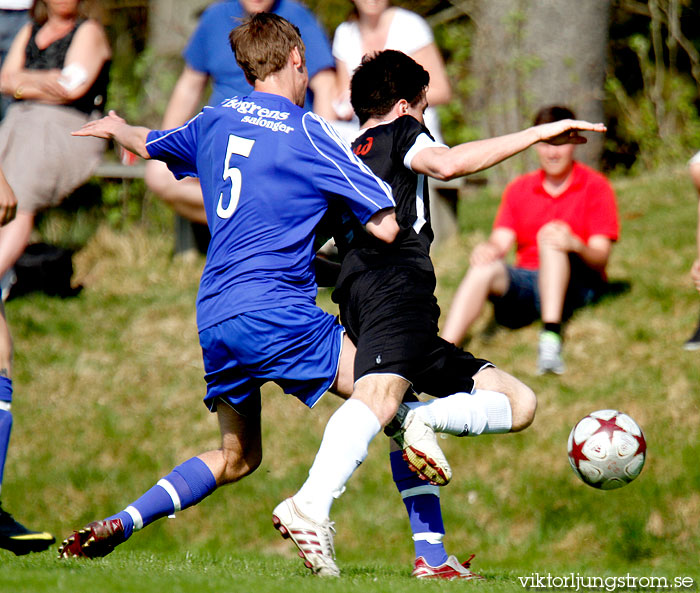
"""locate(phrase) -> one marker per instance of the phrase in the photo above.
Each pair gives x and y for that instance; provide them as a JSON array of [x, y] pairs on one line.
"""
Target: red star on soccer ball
[[610, 426], [577, 452], [607, 426]]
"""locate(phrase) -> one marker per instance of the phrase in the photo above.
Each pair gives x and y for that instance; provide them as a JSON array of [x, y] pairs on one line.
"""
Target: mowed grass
[[108, 389]]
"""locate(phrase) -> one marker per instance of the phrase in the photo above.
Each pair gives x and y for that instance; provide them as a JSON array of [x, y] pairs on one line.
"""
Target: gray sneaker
[[549, 354]]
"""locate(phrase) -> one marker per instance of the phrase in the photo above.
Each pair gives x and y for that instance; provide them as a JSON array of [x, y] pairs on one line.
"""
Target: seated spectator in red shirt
[[562, 220]]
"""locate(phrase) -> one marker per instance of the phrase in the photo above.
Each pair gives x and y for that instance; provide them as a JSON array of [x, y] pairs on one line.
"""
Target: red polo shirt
[[588, 206]]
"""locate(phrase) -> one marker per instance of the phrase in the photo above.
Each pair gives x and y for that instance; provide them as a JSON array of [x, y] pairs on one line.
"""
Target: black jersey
[[388, 149], [54, 56]]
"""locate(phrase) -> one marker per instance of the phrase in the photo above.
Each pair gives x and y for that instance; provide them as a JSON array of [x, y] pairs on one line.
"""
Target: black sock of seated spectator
[[553, 327]]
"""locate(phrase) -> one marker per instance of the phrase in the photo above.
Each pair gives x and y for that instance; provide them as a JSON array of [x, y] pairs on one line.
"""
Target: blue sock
[[5, 421], [423, 505], [185, 486]]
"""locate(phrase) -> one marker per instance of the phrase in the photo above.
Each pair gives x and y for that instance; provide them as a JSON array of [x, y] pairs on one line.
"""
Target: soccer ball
[[607, 449]]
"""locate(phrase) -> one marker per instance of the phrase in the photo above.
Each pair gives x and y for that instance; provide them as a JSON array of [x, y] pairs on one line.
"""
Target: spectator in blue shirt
[[207, 56]]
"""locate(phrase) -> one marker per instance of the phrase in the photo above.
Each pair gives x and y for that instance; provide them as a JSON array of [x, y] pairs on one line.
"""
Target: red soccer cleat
[[95, 540], [450, 570]]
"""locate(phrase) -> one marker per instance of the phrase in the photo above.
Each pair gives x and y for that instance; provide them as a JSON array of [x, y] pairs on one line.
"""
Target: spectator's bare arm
[[695, 269], [323, 87], [498, 245], [85, 58], [439, 90], [186, 98], [8, 201], [341, 102]]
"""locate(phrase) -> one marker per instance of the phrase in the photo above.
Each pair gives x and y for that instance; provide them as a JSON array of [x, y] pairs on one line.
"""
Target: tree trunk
[[171, 23], [527, 55]]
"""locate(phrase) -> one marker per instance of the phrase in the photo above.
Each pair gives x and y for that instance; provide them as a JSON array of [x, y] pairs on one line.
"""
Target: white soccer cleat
[[421, 450], [314, 540]]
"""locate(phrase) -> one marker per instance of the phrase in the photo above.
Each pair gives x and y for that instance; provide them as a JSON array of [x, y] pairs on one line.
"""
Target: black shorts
[[391, 315]]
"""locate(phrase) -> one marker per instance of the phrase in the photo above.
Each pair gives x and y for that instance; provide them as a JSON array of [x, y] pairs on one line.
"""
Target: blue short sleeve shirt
[[209, 50], [267, 169]]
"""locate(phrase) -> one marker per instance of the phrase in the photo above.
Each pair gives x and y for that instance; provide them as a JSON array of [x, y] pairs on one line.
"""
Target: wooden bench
[[114, 170], [187, 235], [444, 196]]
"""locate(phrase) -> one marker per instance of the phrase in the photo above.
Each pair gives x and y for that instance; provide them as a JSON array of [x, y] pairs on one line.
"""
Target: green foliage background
[[651, 90]]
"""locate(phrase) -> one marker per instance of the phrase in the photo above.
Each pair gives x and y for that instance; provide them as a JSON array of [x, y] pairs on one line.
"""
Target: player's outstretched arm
[[113, 127], [464, 159]]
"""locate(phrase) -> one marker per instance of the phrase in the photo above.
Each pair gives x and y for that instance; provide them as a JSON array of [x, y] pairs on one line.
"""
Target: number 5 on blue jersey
[[240, 146]]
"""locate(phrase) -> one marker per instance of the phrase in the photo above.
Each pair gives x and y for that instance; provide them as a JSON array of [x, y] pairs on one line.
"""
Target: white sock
[[467, 414], [343, 448], [499, 414]]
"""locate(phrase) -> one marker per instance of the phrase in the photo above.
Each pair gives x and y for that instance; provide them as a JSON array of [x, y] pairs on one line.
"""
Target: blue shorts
[[520, 305], [297, 347]]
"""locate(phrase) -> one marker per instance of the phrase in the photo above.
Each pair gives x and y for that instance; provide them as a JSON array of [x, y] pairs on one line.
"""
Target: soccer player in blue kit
[[267, 169]]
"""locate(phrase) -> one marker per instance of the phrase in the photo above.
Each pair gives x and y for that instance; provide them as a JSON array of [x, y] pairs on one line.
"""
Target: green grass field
[[108, 389]]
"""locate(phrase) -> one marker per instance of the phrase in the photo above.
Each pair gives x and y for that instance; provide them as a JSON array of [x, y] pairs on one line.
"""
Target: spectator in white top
[[373, 26]]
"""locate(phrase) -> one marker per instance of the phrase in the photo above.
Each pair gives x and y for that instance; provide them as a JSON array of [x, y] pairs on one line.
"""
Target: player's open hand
[[102, 128], [566, 131]]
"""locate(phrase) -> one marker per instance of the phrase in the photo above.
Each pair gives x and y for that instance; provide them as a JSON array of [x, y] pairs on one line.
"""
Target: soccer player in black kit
[[386, 300]]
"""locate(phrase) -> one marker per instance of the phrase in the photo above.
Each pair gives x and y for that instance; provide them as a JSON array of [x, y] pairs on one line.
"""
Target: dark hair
[[383, 79], [262, 45], [354, 14], [39, 12], [551, 113]]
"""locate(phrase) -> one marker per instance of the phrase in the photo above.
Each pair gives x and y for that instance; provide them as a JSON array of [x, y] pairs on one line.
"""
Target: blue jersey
[[209, 50], [268, 170]]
